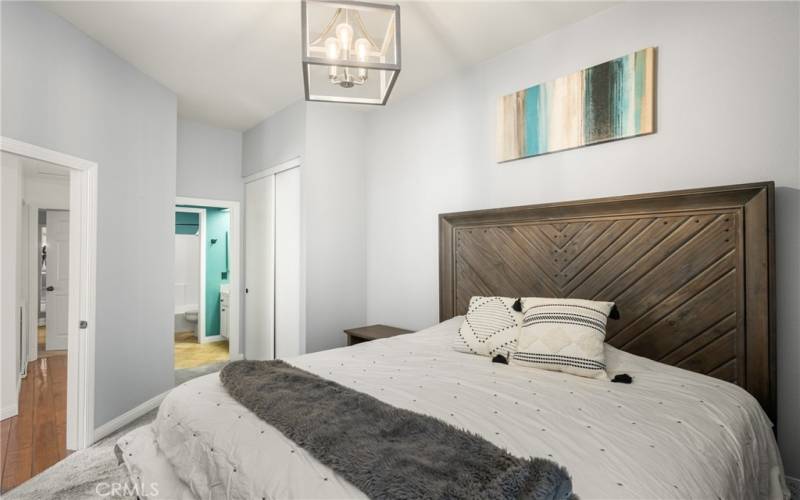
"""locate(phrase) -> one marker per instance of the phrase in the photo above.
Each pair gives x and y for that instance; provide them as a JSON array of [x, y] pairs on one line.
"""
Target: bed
[[692, 274]]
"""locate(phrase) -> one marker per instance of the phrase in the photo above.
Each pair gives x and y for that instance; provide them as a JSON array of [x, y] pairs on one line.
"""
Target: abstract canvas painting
[[610, 101]]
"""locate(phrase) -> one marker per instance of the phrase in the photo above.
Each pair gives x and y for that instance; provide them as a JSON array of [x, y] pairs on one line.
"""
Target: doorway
[[274, 292], [207, 290], [52, 284], [47, 295]]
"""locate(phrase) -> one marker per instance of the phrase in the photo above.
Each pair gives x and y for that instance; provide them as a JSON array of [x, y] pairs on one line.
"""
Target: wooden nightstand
[[372, 332]]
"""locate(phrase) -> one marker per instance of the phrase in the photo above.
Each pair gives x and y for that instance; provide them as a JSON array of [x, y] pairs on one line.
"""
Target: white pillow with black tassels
[[490, 327], [565, 335]]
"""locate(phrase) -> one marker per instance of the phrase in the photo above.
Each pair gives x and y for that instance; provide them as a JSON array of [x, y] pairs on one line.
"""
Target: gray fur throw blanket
[[387, 452]]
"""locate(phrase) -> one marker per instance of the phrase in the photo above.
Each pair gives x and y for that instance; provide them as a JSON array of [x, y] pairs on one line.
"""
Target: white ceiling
[[234, 64]]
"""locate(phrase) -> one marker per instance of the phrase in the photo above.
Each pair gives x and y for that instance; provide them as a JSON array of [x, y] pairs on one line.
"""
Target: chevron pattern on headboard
[[690, 271]]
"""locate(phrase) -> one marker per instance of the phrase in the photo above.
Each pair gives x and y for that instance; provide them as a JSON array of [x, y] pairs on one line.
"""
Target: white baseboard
[[212, 338], [12, 410], [9, 411], [236, 357], [129, 416]]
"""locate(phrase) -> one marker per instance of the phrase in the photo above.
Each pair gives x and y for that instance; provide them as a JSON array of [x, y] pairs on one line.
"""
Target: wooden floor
[[36, 438], [190, 354]]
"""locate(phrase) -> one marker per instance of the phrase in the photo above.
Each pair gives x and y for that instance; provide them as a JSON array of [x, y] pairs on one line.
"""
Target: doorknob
[[50, 288]]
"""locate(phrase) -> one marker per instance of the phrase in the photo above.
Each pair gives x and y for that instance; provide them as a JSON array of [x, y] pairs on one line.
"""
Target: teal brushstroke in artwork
[[639, 87], [544, 113], [623, 93], [618, 101], [533, 135], [609, 101]]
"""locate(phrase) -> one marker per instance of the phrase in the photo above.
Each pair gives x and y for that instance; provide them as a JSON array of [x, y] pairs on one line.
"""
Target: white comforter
[[670, 434]]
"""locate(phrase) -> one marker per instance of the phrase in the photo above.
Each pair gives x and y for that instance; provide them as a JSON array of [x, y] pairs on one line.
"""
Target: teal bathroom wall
[[217, 227], [218, 221], [187, 222]]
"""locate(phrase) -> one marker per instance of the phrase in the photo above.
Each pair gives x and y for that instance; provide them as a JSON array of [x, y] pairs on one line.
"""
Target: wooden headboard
[[691, 272]]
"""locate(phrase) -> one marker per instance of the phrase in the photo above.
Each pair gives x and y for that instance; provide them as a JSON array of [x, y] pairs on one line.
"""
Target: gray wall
[[63, 91], [334, 205], [727, 113], [209, 162], [330, 140], [279, 138]]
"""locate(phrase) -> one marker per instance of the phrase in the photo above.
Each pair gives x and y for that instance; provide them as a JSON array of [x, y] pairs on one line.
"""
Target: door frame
[[296, 162], [32, 249], [276, 169], [235, 280], [82, 286], [201, 244]]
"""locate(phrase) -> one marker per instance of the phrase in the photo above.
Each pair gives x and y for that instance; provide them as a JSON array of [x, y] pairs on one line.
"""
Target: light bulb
[[344, 32], [362, 49], [332, 48]]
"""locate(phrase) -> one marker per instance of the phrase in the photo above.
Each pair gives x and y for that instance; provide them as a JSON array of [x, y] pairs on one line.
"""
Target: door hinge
[[83, 325]]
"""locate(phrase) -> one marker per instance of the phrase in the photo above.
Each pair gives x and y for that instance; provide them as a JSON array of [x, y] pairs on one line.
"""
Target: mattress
[[670, 434]]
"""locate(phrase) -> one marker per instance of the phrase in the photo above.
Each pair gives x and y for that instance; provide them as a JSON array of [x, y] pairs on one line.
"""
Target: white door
[[287, 263], [57, 284], [259, 261]]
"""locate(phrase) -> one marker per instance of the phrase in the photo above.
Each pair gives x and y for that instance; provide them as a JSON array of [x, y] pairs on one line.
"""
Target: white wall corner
[[129, 416]]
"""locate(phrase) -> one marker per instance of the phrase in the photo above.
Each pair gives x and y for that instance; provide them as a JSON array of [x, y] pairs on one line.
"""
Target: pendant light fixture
[[351, 50]]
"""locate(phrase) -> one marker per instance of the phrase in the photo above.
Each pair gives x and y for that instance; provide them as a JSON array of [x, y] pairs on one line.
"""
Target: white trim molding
[[129, 416], [210, 339], [201, 301], [82, 283], [33, 277], [287, 165], [9, 411]]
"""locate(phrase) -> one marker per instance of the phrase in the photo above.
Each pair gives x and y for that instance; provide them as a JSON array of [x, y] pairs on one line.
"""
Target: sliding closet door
[[259, 260], [287, 263]]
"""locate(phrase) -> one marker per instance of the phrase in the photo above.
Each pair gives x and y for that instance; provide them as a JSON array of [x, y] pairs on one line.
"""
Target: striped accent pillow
[[490, 327], [564, 335]]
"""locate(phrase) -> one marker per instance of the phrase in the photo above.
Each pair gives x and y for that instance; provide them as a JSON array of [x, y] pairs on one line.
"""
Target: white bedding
[[670, 434]]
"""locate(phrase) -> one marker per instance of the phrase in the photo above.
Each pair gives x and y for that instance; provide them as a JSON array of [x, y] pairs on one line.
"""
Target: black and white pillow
[[564, 335], [490, 327]]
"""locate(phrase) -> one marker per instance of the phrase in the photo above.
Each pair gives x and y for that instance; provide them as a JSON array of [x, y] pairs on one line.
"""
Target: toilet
[[190, 313]]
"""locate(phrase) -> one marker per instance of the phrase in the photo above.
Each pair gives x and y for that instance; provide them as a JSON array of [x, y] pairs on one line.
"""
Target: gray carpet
[[77, 476]]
